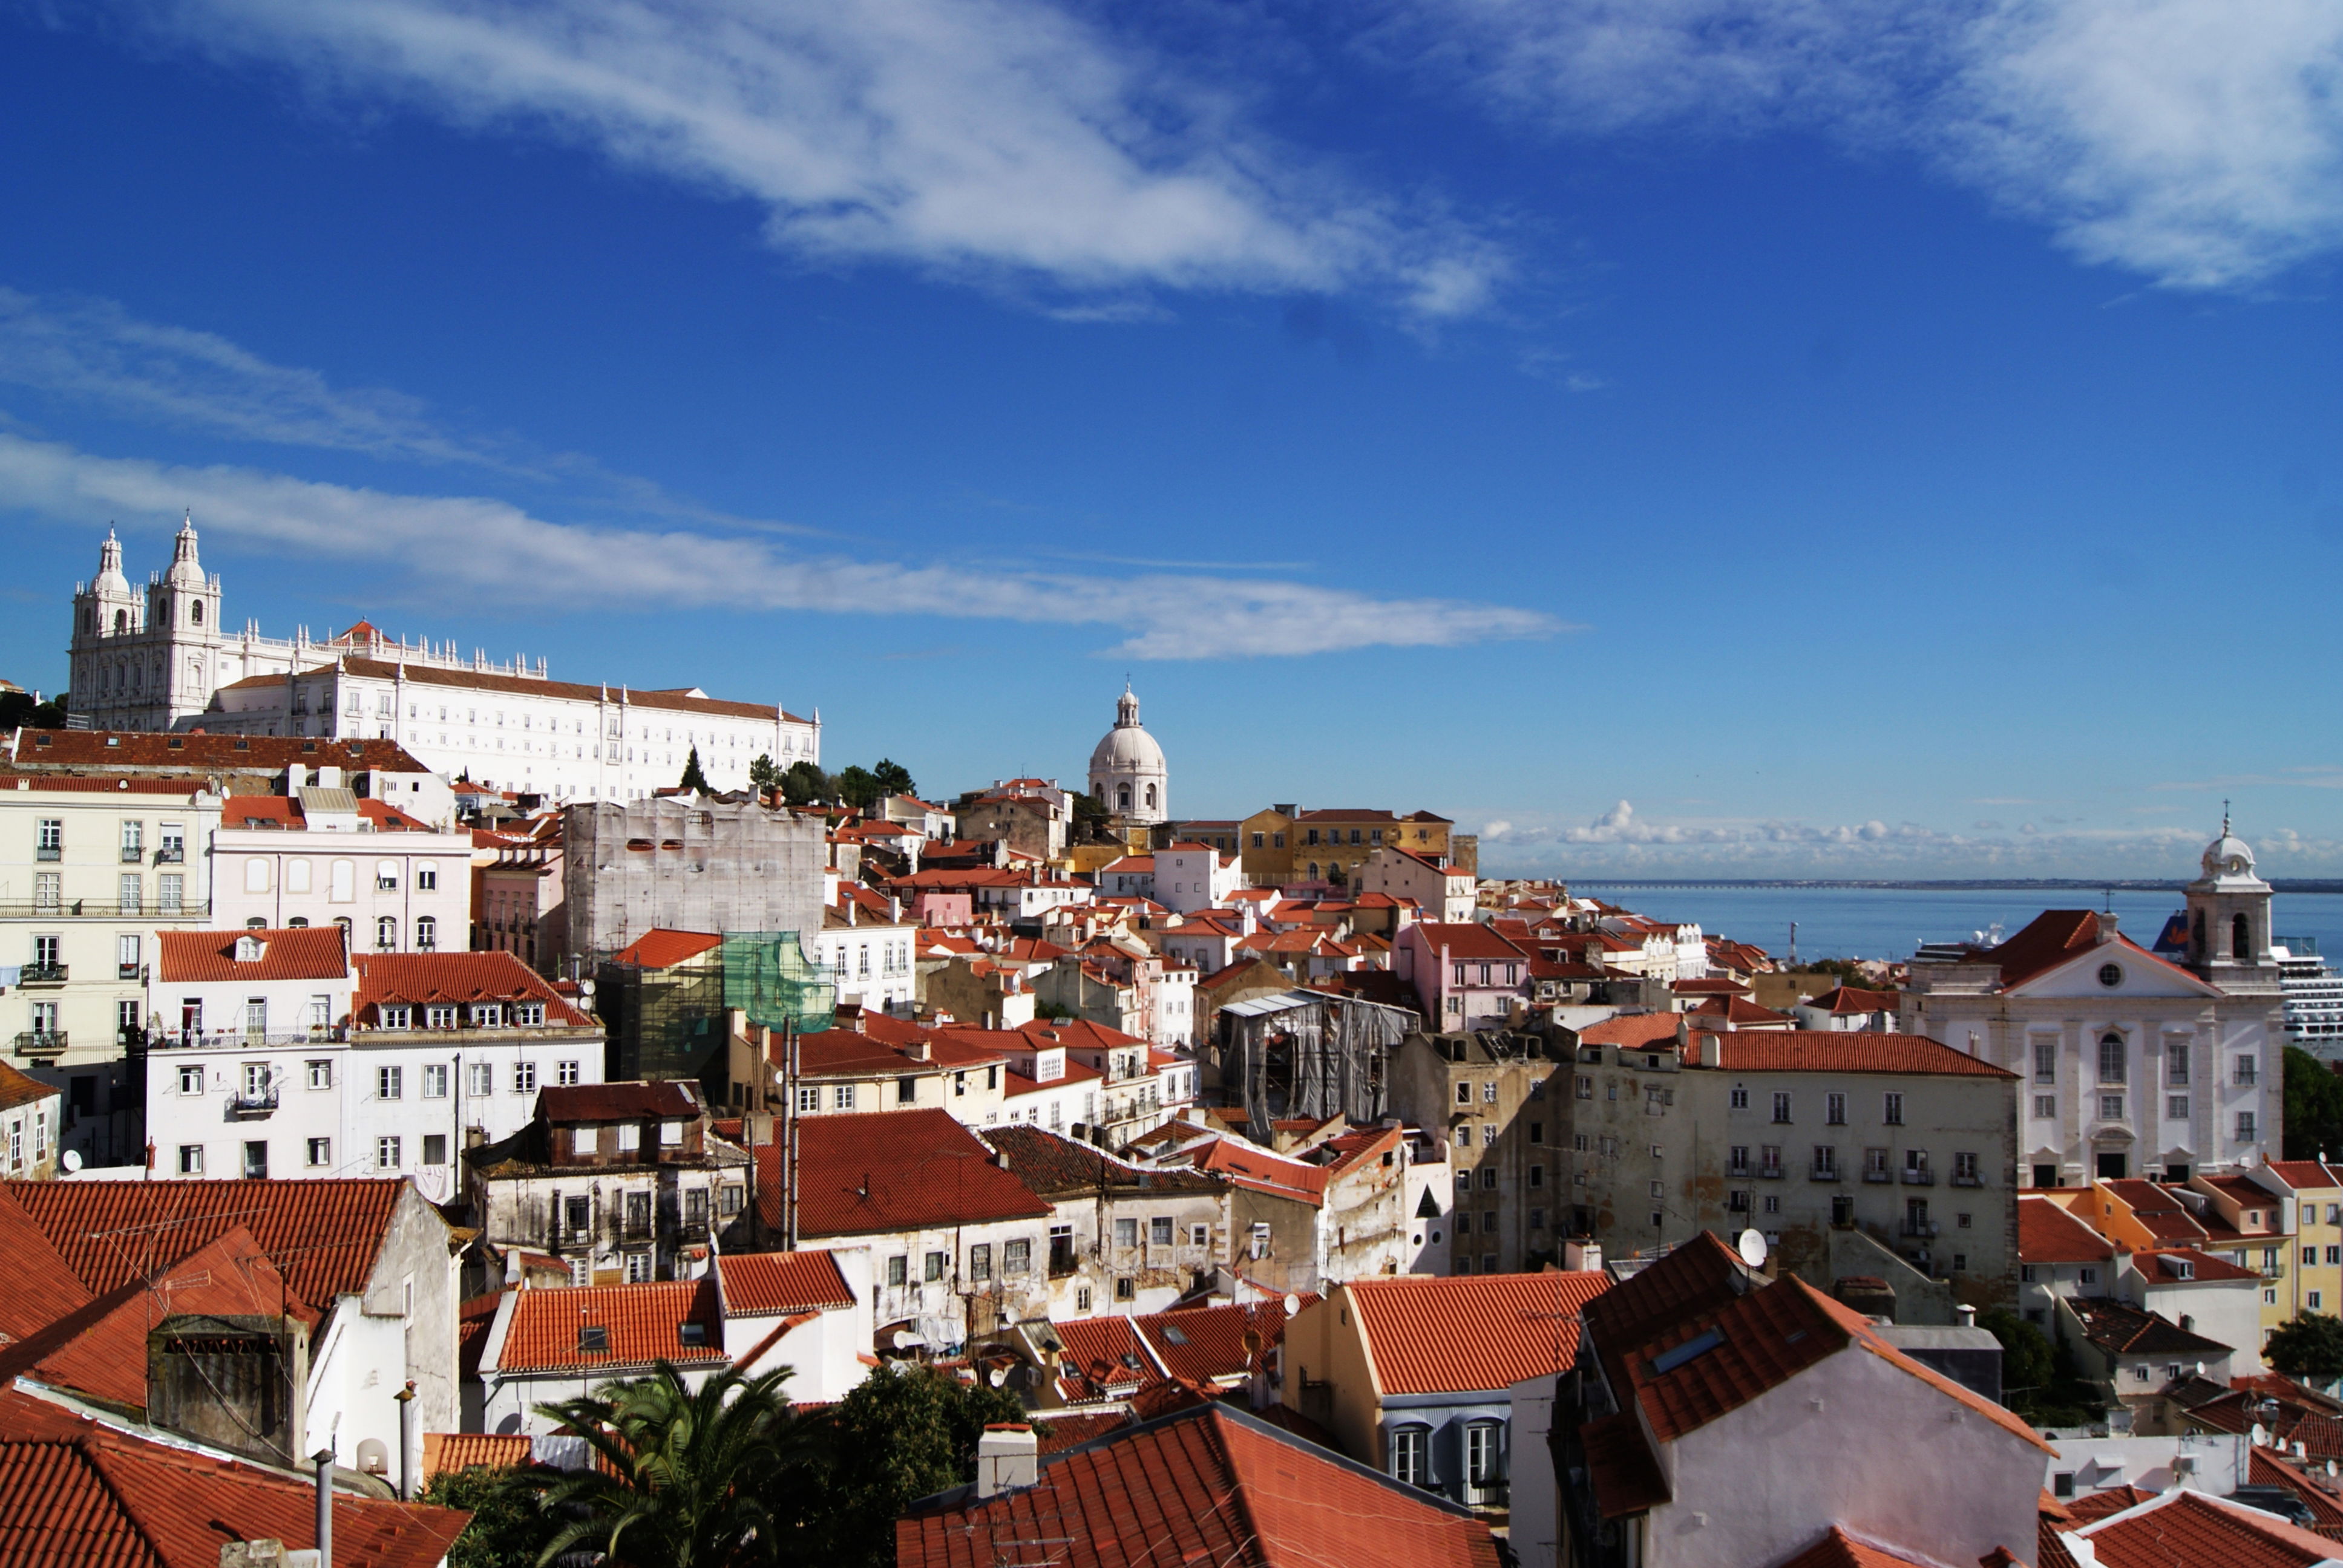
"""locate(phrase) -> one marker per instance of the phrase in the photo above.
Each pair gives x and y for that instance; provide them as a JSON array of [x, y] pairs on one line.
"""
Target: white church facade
[[2128, 1064], [161, 659]]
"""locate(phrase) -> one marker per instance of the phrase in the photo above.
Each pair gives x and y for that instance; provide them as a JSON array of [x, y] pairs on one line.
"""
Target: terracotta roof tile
[[1846, 1051], [323, 1234], [193, 958], [1055, 1167], [1207, 1485], [2122, 1329], [445, 1453], [1837, 1549], [1433, 1334], [75, 1494], [655, 1100], [1847, 999], [759, 1284], [418, 979], [641, 1323], [661, 948], [23, 1089], [888, 1170], [209, 754], [2185, 1529], [1261, 1171], [1467, 940], [2049, 1233], [574, 691]]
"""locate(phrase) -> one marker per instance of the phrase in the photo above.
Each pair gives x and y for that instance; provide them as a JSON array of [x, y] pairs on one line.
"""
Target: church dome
[[1128, 774], [2228, 856], [110, 579]]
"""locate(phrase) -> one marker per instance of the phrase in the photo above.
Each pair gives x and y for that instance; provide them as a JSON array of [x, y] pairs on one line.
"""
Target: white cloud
[[1001, 139], [2200, 145], [479, 547]]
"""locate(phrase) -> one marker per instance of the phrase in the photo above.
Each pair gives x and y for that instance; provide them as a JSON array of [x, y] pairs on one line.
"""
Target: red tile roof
[[323, 1234], [1740, 1011], [2183, 1529], [1263, 1172], [416, 978], [309, 952], [2050, 1234], [2055, 936], [1466, 940], [654, 1100], [643, 1323], [1208, 1485], [2164, 1267], [2098, 1505], [890, 1170], [760, 1284], [660, 948], [1635, 1032], [1837, 1549], [2300, 1174], [41, 1288], [1431, 1334], [75, 1494], [575, 691], [445, 1453], [850, 1054], [1846, 1051], [1847, 999], [209, 754], [23, 1089]]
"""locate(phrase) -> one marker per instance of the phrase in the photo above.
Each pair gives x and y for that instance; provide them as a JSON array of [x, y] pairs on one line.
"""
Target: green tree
[[19, 711], [2314, 1107], [2311, 1347], [2038, 1380], [693, 779], [857, 786], [805, 784], [1091, 820], [764, 772], [687, 1476], [509, 1527], [905, 1431], [892, 778]]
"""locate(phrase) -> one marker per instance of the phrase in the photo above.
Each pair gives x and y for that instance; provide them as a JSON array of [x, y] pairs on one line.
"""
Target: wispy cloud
[[2199, 145], [476, 547], [1007, 141], [1623, 839]]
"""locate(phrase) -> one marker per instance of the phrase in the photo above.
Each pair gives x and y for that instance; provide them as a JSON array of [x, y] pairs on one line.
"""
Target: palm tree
[[678, 1472]]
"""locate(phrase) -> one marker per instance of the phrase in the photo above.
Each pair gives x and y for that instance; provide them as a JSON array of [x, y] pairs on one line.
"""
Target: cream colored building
[[92, 865]]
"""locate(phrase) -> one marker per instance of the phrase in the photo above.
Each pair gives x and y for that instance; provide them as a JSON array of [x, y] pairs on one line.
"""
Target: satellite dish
[[1752, 1248], [1000, 1376], [1292, 1303], [70, 1159]]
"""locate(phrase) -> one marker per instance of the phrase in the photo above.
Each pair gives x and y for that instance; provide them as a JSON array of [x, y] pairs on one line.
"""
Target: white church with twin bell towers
[[161, 657]]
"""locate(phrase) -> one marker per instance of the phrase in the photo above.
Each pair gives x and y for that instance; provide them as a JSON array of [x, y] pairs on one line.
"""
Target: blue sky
[[1681, 435]]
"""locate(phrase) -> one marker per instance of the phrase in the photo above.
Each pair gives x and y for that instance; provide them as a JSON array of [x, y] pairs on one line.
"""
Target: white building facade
[[161, 659], [1128, 775], [396, 891]]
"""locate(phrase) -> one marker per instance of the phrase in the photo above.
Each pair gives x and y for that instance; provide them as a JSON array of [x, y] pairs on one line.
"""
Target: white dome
[[1128, 773], [1131, 750], [2228, 856]]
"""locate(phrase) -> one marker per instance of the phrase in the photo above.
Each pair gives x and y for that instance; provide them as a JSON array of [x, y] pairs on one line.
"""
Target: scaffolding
[[768, 976], [1305, 1053]]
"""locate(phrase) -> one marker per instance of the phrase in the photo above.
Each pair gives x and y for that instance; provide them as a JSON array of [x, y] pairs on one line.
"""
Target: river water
[[1889, 922]]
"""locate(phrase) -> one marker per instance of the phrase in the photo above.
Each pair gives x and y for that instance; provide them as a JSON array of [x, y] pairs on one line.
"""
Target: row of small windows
[[259, 1079], [341, 877], [389, 1154]]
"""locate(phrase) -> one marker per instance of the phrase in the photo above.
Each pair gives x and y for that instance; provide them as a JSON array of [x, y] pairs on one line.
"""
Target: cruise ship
[[2314, 997]]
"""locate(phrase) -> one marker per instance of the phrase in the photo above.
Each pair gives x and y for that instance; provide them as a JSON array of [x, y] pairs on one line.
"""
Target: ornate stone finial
[[2225, 816]]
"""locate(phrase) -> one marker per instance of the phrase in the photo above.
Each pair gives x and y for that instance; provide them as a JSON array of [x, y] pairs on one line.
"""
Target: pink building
[[1465, 975]]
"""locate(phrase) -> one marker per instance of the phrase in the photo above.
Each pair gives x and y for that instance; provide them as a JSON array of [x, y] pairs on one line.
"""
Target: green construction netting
[[767, 976]]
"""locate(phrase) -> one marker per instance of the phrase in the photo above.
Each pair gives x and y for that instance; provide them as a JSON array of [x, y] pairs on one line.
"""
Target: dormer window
[[528, 1015], [488, 1014], [394, 1017], [441, 1016], [249, 949]]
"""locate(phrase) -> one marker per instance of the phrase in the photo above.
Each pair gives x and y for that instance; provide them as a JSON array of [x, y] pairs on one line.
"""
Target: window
[[898, 1270], [1826, 1163], [386, 1154], [1407, 1446], [1489, 1093], [670, 1134], [2046, 1107], [191, 1080], [1834, 1109], [1781, 1105], [809, 1097], [1489, 1177], [435, 1149], [321, 1151], [1585, 1087], [2113, 1064], [2248, 1128], [2111, 1107], [1258, 1246], [2176, 1108], [386, 933], [2086, 1276], [171, 892], [191, 1159], [125, 959], [441, 1015], [979, 1262], [51, 843], [1769, 1160], [1158, 1230], [130, 893], [2045, 1059], [487, 1015], [426, 934], [484, 1079], [386, 876], [1463, 1094], [392, 1016], [1126, 1232], [427, 878], [1740, 1098], [1200, 1235], [435, 1080], [1016, 1257], [1736, 1160], [1465, 1135], [2245, 1072], [1480, 1453], [842, 1097], [1965, 1170], [389, 1083], [2176, 1062], [321, 1074], [524, 1078]]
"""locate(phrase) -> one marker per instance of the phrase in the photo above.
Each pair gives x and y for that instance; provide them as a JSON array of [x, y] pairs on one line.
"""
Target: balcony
[[41, 1042], [50, 852], [171, 855], [1912, 1178], [134, 854], [1877, 1173], [1918, 1229], [41, 974], [242, 1039], [252, 1107], [1769, 1173], [130, 971], [1823, 1173], [1971, 1180]]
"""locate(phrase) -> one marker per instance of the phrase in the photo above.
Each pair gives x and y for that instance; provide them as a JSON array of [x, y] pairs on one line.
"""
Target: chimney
[[1008, 1457], [2107, 927], [1965, 1315]]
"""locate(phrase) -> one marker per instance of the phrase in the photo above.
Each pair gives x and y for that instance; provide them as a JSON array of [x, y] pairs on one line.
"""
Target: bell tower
[[2229, 918], [184, 608]]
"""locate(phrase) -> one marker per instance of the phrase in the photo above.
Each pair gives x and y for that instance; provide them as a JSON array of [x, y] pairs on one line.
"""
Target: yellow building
[[2314, 1283], [1284, 845], [2229, 1216]]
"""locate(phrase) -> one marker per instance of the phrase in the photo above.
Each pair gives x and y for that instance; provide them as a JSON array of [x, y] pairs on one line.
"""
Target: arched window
[[1150, 796], [2242, 940], [1122, 797], [255, 923], [297, 923], [2111, 1058], [1407, 1454], [386, 933], [426, 933], [197, 608], [121, 621], [1314, 870]]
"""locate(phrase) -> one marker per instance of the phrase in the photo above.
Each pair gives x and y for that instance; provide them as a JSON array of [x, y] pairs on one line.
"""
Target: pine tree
[[693, 779]]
